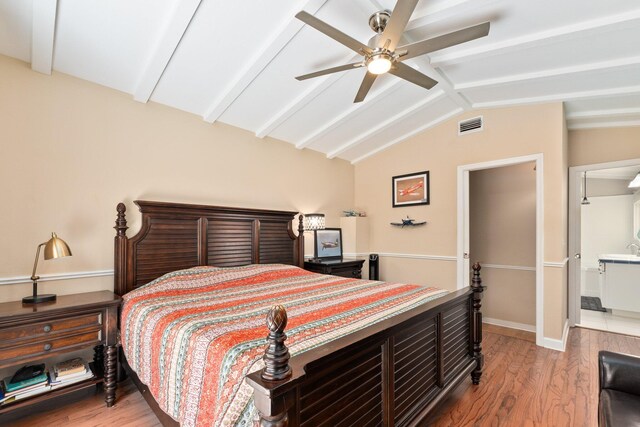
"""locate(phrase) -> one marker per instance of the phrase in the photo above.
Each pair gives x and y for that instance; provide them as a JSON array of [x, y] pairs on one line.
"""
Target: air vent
[[470, 125]]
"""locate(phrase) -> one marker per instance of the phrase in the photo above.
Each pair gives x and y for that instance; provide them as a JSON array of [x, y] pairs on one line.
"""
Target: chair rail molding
[[54, 277]]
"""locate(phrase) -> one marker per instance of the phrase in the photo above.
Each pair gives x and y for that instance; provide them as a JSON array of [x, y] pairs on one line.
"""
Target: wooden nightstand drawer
[[46, 345], [342, 267], [51, 327]]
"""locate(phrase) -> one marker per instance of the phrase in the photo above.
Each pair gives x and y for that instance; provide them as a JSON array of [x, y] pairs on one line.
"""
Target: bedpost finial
[[121, 220], [276, 354], [300, 223], [277, 319], [476, 281]]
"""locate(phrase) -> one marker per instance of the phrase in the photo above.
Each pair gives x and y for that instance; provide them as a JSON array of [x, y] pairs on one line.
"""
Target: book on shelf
[[25, 392], [9, 386], [43, 388], [71, 379], [24, 389], [70, 367]]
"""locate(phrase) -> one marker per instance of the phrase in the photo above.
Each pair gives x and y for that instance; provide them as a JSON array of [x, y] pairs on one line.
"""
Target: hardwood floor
[[522, 385], [526, 385]]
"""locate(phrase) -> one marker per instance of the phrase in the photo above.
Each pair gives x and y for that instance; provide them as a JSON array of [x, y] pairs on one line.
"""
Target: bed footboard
[[393, 373]]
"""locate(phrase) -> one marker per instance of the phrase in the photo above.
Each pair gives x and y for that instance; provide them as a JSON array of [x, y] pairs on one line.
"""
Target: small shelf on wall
[[355, 235]]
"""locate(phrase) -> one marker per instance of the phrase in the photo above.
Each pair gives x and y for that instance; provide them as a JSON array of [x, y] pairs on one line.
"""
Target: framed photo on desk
[[327, 243]]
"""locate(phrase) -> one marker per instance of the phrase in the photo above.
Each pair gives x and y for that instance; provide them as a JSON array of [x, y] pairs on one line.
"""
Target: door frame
[[575, 197], [462, 263]]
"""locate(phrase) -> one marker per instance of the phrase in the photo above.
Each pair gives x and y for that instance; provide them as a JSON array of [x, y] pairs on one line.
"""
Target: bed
[[399, 366]]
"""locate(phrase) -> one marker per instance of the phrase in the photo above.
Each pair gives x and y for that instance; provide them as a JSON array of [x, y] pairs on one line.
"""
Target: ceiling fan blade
[[331, 70], [367, 82], [397, 23], [332, 32], [447, 40], [412, 75]]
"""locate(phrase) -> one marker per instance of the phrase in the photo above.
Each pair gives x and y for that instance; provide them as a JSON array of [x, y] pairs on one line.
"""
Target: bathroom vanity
[[620, 284]]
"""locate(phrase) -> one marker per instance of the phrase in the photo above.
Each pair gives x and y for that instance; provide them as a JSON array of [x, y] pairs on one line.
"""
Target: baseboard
[[507, 324], [561, 344]]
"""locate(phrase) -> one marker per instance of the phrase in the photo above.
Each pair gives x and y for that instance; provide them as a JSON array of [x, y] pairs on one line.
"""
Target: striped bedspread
[[193, 335]]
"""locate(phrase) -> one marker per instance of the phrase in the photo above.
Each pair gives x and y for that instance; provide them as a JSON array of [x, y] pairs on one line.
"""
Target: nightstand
[[30, 333], [344, 267]]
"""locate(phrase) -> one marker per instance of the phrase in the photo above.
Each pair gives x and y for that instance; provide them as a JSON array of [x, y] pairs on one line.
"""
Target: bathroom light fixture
[[635, 183], [585, 201]]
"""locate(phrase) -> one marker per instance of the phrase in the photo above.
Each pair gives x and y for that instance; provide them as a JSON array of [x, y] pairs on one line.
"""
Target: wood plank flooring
[[526, 385], [522, 385]]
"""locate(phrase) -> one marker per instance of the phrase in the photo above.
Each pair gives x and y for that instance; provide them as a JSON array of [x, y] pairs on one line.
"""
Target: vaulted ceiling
[[235, 62]]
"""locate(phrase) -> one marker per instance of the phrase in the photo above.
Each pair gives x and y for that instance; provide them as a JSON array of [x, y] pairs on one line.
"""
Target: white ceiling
[[625, 173], [235, 62]]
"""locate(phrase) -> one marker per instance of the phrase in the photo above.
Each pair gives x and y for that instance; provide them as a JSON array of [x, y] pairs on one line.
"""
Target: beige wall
[[508, 133], [502, 203], [592, 146], [71, 150]]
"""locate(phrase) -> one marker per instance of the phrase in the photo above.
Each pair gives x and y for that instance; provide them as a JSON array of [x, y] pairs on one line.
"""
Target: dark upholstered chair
[[619, 390]]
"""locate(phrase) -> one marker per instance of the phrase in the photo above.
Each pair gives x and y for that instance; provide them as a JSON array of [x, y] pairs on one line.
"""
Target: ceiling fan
[[382, 53]]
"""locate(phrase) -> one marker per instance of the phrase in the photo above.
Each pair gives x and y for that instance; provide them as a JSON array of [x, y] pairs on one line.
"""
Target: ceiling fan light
[[379, 64]]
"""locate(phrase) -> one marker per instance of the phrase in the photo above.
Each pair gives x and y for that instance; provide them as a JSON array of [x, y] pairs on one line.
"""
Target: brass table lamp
[[54, 248]]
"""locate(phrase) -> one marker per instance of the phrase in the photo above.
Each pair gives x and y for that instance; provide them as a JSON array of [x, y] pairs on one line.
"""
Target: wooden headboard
[[176, 236]]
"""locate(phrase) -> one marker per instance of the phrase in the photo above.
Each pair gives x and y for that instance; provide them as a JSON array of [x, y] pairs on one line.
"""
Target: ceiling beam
[[348, 114], [410, 134], [43, 35], [599, 125], [434, 11], [432, 97], [560, 97], [297, 104], [556, 72], [543, 37], [181, 15], [444, 84], [614, 112], [438, 11], [258, 63]]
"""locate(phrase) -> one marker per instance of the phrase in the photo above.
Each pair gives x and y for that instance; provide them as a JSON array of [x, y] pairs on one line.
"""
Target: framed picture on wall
[[328, 243], [410, 189]]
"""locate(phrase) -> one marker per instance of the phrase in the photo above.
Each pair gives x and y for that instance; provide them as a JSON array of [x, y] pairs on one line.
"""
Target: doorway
[[603, 240], [464, 247]]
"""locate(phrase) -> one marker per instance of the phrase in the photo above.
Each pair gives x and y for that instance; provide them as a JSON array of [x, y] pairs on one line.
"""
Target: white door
[[575, 256], [466, 245]]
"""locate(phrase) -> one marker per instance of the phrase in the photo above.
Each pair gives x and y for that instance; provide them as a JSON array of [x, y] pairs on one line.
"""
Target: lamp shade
[[56, 248], [314, 221], [636, 182]]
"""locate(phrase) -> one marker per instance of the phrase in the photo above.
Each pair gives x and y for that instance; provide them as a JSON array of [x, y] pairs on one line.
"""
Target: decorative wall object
[[328, 243], [410, 189], [408, 223], [353, 212]]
